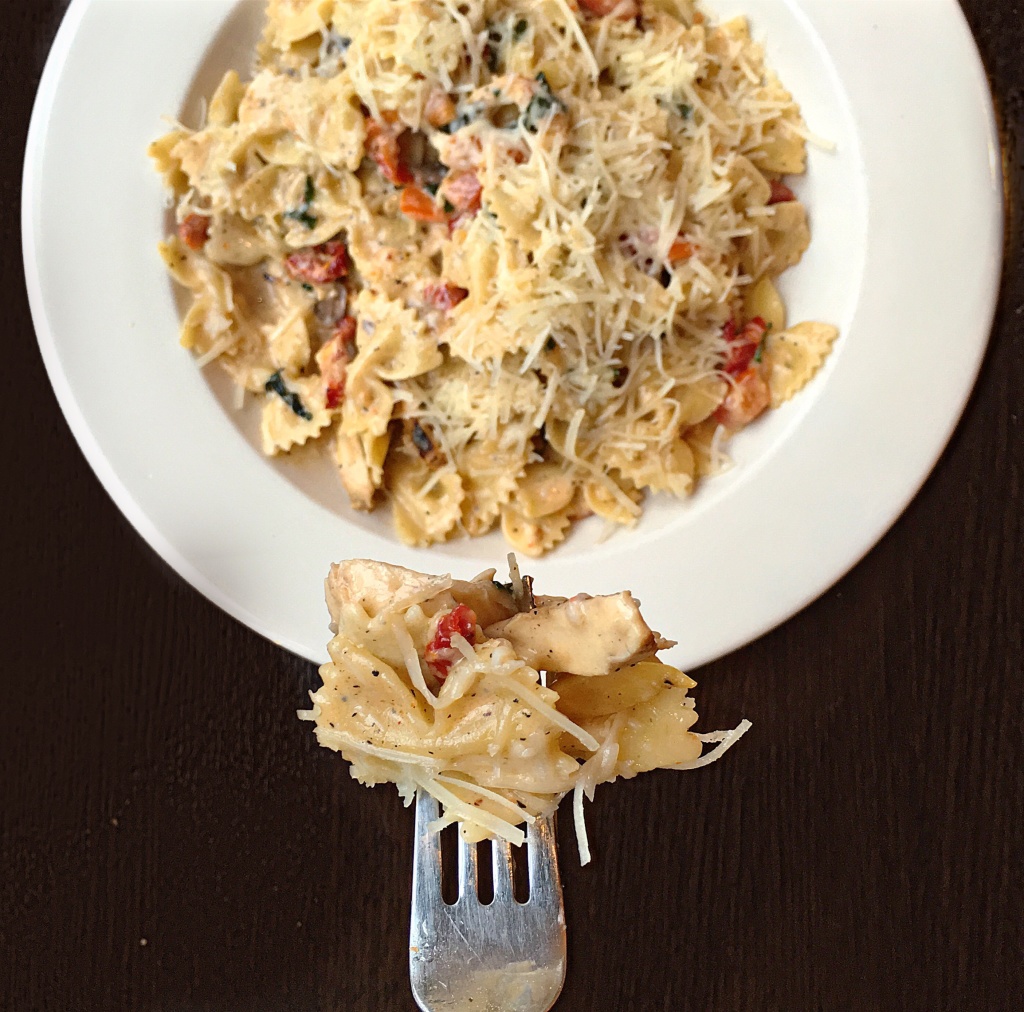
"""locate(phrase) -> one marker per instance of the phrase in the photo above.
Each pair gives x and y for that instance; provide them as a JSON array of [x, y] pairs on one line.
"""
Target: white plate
[[907, 220]]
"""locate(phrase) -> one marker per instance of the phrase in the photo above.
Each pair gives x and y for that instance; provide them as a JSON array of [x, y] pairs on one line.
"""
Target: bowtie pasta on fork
[[434, 684]]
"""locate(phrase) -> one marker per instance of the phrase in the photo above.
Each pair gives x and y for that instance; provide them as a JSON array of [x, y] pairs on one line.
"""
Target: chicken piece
[[375, 586], [584, 635]]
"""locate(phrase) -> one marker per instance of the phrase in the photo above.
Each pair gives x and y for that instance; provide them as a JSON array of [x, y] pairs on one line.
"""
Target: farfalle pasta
[[496, 701], [514, 260]]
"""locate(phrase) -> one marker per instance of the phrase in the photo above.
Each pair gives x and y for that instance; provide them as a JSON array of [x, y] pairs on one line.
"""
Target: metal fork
[[504, 956]]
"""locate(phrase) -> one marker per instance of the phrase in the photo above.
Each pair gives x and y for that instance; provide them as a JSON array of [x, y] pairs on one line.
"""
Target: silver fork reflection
[[503, 955]]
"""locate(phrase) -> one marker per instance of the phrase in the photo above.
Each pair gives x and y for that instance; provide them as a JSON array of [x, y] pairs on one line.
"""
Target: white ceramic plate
[[907, 221]]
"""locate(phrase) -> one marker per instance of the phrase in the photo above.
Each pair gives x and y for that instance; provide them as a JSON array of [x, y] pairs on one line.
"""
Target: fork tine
[[501, 870], [426, 869], [543, 861], [508, 954], [467, 870]]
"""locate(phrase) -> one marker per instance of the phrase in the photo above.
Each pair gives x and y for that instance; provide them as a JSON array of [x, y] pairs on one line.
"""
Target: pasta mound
[[512, 260], [435, 684]]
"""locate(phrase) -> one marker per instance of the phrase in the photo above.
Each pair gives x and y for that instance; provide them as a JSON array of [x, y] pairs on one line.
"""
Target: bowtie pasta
[[514, 260], [435, 684]]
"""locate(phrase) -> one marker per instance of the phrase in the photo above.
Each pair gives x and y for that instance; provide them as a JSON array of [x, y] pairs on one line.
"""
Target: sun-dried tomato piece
[[333, 360], [382, 147], [419, 205], [319, 265], [194, 231], [748, 398], [742, 346], [440, 654], [781, 193], [444, 295], [462, 190]]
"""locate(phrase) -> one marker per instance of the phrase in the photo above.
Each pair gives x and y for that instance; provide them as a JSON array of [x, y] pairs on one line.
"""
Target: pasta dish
[[512, 261], [435, 684]]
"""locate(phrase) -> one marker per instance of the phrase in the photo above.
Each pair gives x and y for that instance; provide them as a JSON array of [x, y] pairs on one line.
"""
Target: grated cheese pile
[[513, 259]]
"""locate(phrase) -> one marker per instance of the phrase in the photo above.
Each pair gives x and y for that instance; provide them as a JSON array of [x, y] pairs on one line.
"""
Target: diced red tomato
[[781, 193], [602, 8], [444, 295], [462, 190], [680, 250], [419, 205], [333, 360], [748, 398], [194, 231], [382, 147], [742, 346], [319, 265], [440, 654]]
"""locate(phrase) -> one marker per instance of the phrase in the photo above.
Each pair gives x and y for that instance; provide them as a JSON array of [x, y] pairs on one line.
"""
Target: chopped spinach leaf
[[302, 214], [276, 385], [542, 105]]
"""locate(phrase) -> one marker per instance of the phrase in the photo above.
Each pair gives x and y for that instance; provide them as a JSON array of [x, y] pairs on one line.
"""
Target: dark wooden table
[[171, 838]]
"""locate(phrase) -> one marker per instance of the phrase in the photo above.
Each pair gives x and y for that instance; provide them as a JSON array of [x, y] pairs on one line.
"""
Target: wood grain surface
[[171, 838]]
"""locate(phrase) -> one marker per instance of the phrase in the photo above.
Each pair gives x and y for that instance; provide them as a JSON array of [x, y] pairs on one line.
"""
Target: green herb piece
[[276, 385], [542, 105], [685, 110], [464, 118], [507, 587], [307, 287], [449, 207], [759, 354], [302, 214], [521, 28]]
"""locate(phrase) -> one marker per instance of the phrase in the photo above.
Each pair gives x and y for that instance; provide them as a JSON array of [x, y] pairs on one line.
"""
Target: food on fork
[[512, 262], [435, 684]]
